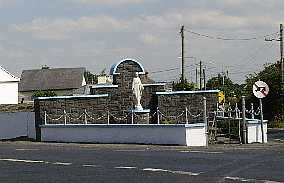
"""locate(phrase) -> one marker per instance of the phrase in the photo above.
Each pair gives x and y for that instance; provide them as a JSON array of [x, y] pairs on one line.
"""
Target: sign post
[[244, 119], [260, 90], [261, 120]]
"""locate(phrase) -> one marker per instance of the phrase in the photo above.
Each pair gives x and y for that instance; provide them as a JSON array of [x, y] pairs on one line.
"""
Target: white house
[[8, 87]]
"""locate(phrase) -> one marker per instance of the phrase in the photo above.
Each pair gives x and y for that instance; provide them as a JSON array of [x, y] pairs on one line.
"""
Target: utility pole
[[200, 75], [282, 72], [196, 77], [182, 54], [223, 75], [281, 55], [204, 79]]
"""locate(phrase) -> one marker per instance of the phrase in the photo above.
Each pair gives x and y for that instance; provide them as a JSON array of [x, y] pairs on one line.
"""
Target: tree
[[90, 78], [186, 86], [271, 104], [231, 90]]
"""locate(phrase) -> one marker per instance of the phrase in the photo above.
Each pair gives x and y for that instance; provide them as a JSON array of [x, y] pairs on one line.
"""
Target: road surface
[[58, 162]]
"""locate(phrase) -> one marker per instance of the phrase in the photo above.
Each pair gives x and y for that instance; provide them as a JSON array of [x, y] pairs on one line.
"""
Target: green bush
[[41, 93], [168, 122], [183, 86], [276, 122]]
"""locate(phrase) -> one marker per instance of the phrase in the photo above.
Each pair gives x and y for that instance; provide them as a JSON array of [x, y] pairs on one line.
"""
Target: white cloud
[[215, 19], [112, 2], [245, 2], [5, 2], [210, 19], [62, 28], [59, 28], [149, 39]]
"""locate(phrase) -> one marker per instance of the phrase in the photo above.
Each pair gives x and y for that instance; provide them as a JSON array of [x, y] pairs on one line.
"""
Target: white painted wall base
[[254, 131], [18, 124], [188, 135]]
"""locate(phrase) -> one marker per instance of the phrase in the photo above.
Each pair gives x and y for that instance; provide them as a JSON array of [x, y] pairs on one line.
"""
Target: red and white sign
[[260, 89]]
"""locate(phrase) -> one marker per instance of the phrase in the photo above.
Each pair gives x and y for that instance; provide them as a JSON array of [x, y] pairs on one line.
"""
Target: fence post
[[108, 117], [252, 111], [85, 116], [45, 118], [239, 131], [236, 111], [205, 119], [223, 108], [158, 115], [186, 117], [65, 117], [132, 117], [217, 111], [229, 110], [244, 120]]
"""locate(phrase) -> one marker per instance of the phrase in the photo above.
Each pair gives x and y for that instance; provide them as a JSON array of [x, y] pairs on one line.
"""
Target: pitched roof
[[5, 76], [51, 79]]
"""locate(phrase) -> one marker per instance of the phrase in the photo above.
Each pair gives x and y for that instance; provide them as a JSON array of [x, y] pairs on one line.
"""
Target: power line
[[229, 39], [166, 70], [170, 69]]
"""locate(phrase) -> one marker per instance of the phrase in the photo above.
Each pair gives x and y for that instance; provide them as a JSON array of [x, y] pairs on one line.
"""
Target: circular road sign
[[260, 89]]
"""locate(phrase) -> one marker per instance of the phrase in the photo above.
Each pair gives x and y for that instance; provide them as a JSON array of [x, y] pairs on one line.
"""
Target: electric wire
[[250, 58], [170, 69], [229, 39]]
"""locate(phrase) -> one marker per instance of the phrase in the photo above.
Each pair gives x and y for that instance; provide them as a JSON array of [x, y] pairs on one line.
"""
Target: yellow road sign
[[221, 97]]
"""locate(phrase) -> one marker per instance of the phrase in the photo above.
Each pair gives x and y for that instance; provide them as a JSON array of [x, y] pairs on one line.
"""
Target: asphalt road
[[66, 163]]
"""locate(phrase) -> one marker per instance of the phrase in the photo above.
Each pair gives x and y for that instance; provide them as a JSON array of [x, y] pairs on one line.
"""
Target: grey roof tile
[[51, 79]]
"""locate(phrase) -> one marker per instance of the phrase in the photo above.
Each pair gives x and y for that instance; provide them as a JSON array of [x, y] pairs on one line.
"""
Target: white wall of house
[[104, 79], [9, 93], [8, 87]]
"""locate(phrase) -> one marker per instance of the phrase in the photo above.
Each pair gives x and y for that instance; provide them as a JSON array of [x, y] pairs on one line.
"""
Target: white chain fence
[[87, 118], [185, 116]]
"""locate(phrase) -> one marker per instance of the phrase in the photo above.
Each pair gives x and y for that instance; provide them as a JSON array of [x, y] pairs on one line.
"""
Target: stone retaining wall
[[175, 103], [54, 107]]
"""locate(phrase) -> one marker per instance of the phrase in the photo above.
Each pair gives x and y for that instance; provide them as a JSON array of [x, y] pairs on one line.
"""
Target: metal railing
[[236, 113], [233, 117]]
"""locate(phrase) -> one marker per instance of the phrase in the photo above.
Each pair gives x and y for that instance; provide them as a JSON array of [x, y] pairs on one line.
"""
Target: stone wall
[[148, 98], [25, 107], [121, 97], [175, 103], [75, 106], [103, 90]]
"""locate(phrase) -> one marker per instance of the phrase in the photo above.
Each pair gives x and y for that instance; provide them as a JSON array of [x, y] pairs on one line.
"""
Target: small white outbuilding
[[8, 87]]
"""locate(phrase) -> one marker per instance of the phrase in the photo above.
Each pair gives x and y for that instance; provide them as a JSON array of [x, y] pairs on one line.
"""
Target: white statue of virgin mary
[[137, 89]]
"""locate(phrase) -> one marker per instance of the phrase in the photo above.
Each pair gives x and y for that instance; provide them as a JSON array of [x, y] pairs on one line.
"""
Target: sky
[[99, 33]]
